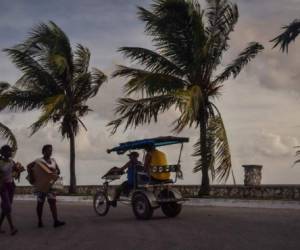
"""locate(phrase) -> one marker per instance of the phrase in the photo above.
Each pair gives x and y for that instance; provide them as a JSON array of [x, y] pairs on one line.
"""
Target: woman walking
[[7, 187]]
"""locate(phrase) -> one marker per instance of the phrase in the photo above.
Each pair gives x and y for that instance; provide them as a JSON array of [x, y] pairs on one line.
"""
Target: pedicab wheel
[[101, 203], [171, 209], [141, 207]]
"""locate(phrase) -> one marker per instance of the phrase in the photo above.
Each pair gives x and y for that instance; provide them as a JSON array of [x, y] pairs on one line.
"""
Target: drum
[[44, 178]]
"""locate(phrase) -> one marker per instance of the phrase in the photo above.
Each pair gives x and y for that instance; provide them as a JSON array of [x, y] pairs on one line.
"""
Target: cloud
[[260, 107]]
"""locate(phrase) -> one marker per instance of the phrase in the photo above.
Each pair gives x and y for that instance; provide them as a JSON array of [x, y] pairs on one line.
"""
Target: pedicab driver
[[132, 166]]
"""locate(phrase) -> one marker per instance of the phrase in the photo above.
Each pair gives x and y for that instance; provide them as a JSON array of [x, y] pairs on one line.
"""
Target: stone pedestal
[[252, 175]]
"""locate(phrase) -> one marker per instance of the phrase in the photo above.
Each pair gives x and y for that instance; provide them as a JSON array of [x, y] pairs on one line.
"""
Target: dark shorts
[[41, 196], [7, 194]]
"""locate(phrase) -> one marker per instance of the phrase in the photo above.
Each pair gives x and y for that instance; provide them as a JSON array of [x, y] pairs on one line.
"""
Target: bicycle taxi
[[145, 196]]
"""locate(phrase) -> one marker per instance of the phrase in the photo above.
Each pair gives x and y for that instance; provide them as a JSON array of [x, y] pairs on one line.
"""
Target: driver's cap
[[133, 153]]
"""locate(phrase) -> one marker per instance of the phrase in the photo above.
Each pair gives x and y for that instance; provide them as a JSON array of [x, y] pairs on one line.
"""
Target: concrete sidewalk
[[203, 202]]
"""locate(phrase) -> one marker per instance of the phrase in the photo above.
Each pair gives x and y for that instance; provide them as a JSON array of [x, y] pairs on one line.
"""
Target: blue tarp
[[140, 144]]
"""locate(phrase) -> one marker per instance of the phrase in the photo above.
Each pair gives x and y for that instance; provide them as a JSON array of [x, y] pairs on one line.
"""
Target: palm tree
[[55, 80], [5, 132], [289, 35], [184, 72]]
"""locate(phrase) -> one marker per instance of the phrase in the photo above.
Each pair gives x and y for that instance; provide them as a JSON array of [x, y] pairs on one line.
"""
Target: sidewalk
[[203, 202]]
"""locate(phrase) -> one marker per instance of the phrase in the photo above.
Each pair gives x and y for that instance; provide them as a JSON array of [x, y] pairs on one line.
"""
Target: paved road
[[196, 228]]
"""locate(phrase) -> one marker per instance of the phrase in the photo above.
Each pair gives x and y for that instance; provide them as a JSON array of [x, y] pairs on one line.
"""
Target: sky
[[260, 107]]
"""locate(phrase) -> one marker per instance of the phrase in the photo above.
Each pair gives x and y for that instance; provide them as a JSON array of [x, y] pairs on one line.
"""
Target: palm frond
[[48, 37], [51, 105], [297, 155], [98, 78], [240, 62], [173, 27], [82, 85], [4, 86], [151, 60], [289, 35], [81, 59], [41, 122], [7, 134], [210, 154], [133, 112], [150, 82], [189, 103], [222, 153], [222, 17], [34, 74], [17, 99], [69, 125], [86, 85], [49, 45], [218, 152]]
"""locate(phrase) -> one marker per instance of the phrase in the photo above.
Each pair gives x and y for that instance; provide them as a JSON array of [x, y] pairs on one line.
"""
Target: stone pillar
[[252, 175]]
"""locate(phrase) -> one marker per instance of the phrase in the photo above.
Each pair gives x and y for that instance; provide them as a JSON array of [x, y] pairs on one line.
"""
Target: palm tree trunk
[[204, 188], [72, 188]]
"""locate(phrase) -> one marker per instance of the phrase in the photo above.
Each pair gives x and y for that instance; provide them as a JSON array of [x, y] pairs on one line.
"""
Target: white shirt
[[52, 165]]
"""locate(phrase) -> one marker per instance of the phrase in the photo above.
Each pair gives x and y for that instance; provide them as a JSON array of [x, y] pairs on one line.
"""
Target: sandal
[[14, 232]]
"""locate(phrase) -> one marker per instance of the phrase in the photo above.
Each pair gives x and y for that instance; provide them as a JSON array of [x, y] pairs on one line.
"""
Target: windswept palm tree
[[184, 72], [5, 132], [56, 81], [289, 35]]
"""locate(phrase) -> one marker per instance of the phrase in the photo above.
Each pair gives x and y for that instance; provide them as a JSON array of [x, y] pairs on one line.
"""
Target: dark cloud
[[259, 108]]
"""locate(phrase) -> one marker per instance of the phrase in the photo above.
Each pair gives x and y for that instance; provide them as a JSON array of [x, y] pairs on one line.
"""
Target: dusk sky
[[260, 108]]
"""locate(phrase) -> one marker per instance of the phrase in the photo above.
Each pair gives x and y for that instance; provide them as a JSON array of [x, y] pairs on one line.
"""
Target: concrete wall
[[290, 192]]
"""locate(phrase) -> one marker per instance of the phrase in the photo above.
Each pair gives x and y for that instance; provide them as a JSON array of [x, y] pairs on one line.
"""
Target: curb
[[239, 203], [204, 202]]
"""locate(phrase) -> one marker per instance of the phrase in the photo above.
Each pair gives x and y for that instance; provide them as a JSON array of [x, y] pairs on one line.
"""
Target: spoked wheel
[[141, 207], [101, 204], [170, 209]]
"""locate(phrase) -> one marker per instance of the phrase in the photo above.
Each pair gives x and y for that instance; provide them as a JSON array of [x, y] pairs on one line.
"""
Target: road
[[196, 228]]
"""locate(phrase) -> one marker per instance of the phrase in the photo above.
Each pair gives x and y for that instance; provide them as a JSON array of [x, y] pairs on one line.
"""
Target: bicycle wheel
[[101, 204]]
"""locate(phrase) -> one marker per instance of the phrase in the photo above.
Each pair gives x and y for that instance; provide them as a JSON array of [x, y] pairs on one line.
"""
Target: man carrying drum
[[50, 164]]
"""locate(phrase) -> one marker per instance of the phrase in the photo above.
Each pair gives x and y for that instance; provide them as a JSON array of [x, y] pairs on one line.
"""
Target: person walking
[[51, 164], [7, 187]]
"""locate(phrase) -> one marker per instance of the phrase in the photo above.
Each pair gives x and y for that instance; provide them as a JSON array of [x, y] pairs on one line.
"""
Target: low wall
[[289, 192]]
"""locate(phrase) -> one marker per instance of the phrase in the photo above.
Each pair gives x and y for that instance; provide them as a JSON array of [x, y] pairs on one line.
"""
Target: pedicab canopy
[[141, 144]]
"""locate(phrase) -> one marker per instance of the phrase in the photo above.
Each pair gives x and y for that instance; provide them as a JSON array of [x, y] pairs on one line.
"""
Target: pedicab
[[145, 196]]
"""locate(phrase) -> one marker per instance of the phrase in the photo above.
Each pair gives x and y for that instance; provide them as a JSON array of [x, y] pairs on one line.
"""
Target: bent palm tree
[[289, 35], [284, 39], [183, 73], [54, 80], [5, 132]]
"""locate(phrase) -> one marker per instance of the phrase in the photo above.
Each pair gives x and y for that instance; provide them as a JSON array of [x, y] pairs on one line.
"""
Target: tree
[[56, 81], [5, 132], [289, 35], [184, 72]]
